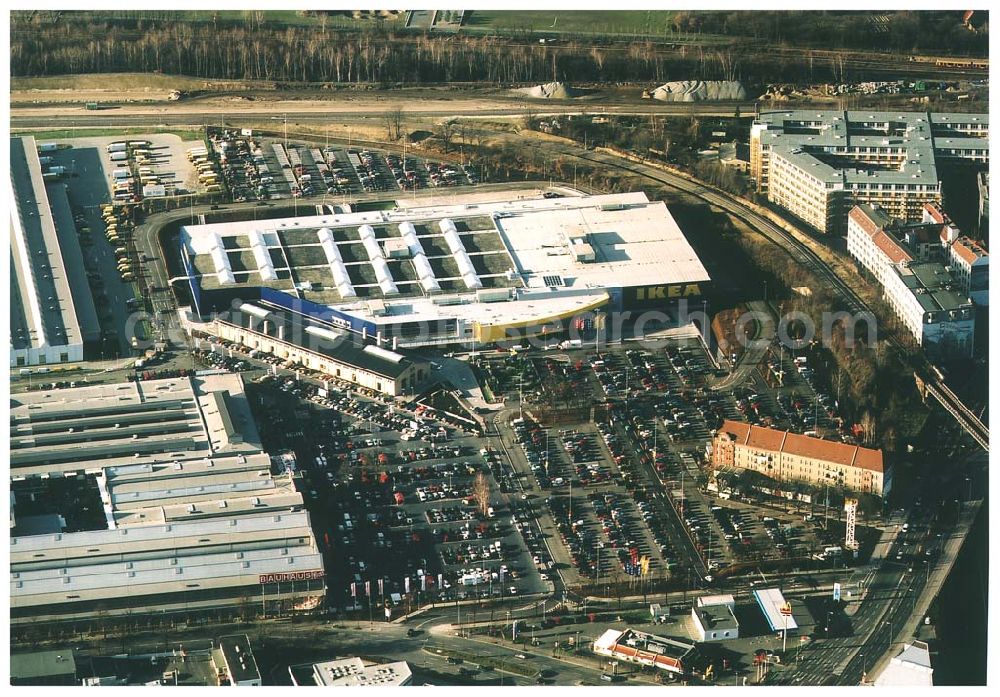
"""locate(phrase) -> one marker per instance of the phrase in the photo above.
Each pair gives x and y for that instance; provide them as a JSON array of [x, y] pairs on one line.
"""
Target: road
[[755, 352], [198, 114]]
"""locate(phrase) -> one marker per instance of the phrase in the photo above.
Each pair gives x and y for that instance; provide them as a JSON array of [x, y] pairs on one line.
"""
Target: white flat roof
[[607, 640], [347, 672], [533, 304], [771, 601], [636, 244], [910, 668]]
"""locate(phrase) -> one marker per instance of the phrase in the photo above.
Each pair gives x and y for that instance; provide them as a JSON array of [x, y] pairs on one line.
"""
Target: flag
[[406, 584], [381, 591], [354, 590], [423, 583], [440, 580], [368, 588]]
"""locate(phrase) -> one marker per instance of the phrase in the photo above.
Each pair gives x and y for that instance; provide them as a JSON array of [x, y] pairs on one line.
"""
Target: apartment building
[[819, 164], [790, 457], [907, 260], [927, 299], [970, 265]]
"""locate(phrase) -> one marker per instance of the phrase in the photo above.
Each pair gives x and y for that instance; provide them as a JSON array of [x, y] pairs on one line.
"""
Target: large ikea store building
[[449, 274]]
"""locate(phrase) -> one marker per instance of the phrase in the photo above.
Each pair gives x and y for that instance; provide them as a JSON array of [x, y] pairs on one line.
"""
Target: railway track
[[802, 254]]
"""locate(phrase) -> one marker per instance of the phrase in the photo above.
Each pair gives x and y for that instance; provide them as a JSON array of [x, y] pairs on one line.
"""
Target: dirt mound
[[700, 90], [551, 90]]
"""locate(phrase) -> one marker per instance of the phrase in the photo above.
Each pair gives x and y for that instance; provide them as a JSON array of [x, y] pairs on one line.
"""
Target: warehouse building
[[790, 457], [911, 667], [445, 274], [319, 346], [197, 522], [50, 668], [53, 317], [188, 566], [85, 429], [819, 164]]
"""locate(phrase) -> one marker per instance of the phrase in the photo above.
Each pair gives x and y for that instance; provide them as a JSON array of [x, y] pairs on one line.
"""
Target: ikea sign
[[667, 292]]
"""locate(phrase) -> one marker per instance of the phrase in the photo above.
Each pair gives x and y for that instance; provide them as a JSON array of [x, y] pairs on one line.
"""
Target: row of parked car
[[622, 532], [581, 543]]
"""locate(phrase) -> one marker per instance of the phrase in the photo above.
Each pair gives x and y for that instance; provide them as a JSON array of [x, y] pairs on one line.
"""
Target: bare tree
[[868, 428], [481, 493], [446, 132], [394, 123]]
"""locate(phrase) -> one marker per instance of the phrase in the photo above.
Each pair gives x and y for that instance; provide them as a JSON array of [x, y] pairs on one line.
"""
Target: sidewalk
[[460, 376]]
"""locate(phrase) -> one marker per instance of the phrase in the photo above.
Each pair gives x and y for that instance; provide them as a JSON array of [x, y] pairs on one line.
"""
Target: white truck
[[120, 173], [120, 146], [119, 156]]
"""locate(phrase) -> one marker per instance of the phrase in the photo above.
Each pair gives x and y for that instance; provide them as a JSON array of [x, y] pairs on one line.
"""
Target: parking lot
[[256, 167], [622, 500], [643, 461], [391, 490]]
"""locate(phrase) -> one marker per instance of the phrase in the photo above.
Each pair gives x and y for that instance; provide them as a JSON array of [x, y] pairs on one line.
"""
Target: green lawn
[[67, 133], [335, 19], [589, 21]]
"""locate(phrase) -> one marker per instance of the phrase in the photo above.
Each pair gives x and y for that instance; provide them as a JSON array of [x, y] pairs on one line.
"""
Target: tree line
[[261, 51], [897, 31]]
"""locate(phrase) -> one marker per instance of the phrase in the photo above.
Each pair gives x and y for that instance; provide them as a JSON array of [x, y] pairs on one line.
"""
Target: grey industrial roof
[[153, 559], [933, 286], [72, 259], [910, 668], [239, 658], [716, 617], [20, 330], [345, 352], [918, 138], [42, 664], [85, 428], [42, 272]]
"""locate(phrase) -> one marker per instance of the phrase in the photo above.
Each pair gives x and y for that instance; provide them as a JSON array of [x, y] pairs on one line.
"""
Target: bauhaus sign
[[669, 292], [295, 576]]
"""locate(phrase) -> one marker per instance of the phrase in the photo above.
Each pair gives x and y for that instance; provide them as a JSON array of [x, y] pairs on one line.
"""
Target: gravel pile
[[551, 90], [700, 90]]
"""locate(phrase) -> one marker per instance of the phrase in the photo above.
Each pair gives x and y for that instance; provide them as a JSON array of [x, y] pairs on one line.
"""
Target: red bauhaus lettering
[[295, 576]]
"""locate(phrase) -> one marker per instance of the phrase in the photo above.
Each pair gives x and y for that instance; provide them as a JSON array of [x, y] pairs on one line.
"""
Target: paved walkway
[[458, 374]]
